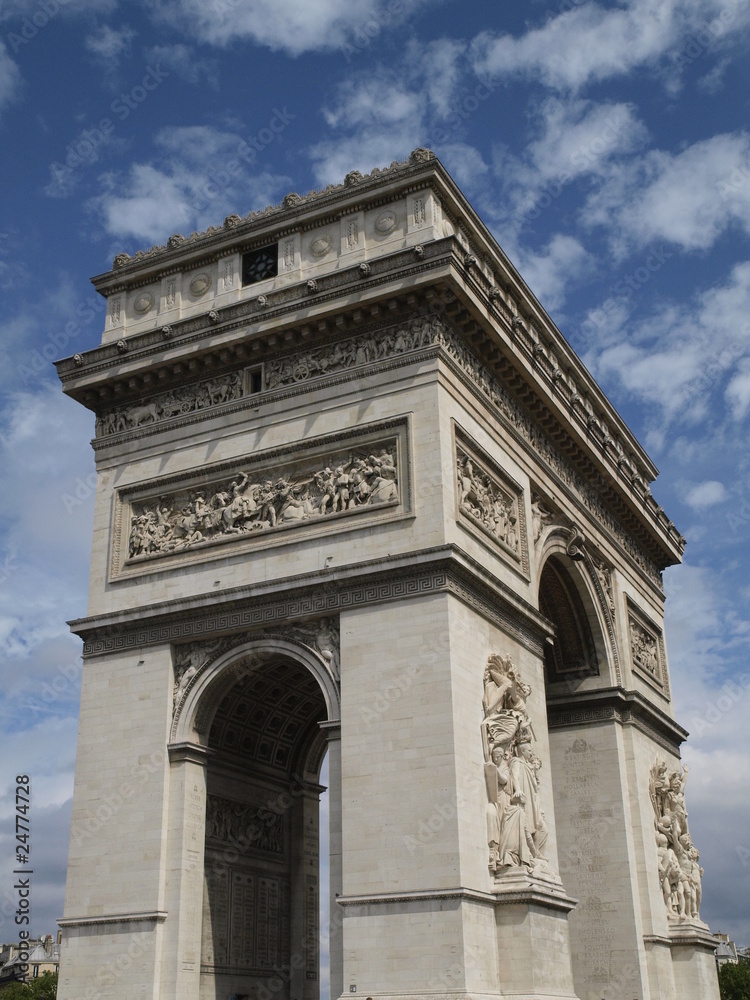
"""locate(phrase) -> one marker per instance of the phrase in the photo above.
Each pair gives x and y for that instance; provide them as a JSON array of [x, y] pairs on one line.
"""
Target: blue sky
[[606, 146]]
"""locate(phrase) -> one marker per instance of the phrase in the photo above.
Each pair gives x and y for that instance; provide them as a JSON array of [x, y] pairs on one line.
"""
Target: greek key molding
[[442, 570], [620, 706]]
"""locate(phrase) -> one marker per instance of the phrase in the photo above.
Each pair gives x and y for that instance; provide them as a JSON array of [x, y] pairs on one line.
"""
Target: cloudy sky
[[605, 144]]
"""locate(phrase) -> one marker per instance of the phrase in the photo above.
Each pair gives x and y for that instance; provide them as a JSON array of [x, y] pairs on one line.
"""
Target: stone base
[[531, 916], [539, 885]]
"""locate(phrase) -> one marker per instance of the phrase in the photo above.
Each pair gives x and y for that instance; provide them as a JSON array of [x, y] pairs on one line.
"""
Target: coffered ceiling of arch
[[267, 716]]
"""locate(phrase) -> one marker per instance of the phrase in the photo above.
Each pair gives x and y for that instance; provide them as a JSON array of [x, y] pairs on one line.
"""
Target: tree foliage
[[43, 987], [734, 981]]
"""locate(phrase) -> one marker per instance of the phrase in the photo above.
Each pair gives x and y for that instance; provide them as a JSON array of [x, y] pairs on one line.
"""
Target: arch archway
[[259, 713]]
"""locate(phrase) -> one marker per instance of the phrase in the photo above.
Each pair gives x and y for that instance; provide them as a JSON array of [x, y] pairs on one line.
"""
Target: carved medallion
[[386, 222], [200, 284], [321, 245], [143, 302]]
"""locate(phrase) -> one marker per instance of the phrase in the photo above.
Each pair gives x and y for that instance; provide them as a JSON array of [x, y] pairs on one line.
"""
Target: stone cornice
[[486, 272], [148, 916], [616, 705], [445, 569]]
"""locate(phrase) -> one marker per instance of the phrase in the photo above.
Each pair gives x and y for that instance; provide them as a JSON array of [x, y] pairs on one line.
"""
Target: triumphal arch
[[357, 497]]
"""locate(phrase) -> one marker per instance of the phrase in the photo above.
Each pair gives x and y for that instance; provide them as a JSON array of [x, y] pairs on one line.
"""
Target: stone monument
[[358, 496]]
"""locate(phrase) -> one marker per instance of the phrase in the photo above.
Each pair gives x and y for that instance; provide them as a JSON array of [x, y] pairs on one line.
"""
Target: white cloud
[[10, 78], [183, 61], [688, 198], [591, 43], [679, 357], [293, 27], [396, 110], [738, 391], [549, 272], [706, 494], [573, 138], [197, 179], [109, 44]]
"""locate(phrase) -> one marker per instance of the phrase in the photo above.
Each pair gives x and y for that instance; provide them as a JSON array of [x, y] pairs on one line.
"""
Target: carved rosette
[[680, 874], [516, 827]]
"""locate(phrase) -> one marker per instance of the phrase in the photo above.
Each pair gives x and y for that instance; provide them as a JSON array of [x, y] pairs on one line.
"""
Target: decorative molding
[[618, 705], [192, 398], [295, 370], [489, 502], [155, 916], [442, 570]]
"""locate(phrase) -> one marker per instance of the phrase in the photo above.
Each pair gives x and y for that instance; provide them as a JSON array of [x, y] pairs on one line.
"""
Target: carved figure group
[[516, 828], [212, 392], [485, 501], [644, 648], [183, 520], [680, 873], [243, 824], [419, 331]]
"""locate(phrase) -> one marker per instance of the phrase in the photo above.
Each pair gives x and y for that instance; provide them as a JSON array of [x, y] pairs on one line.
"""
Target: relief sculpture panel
[[261, 497], [490, 502]]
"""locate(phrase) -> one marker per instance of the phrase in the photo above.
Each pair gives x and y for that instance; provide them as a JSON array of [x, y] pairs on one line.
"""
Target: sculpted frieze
[[680, 874], [414, 333], [344, 481], [175, 402], [646, 648], [516, 828], [239, 823], [489, 500]]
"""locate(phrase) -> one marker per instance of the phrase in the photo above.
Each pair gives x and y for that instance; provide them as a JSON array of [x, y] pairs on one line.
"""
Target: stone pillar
[[181, 955], [304, 960], [335, 929]]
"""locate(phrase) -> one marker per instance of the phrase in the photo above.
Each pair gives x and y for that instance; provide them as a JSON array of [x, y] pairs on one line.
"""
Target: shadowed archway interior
[[261, 890], [573, 653]]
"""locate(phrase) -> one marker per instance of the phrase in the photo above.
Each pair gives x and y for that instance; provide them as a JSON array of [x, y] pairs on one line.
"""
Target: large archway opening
[[262, 875], [573, 655]]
